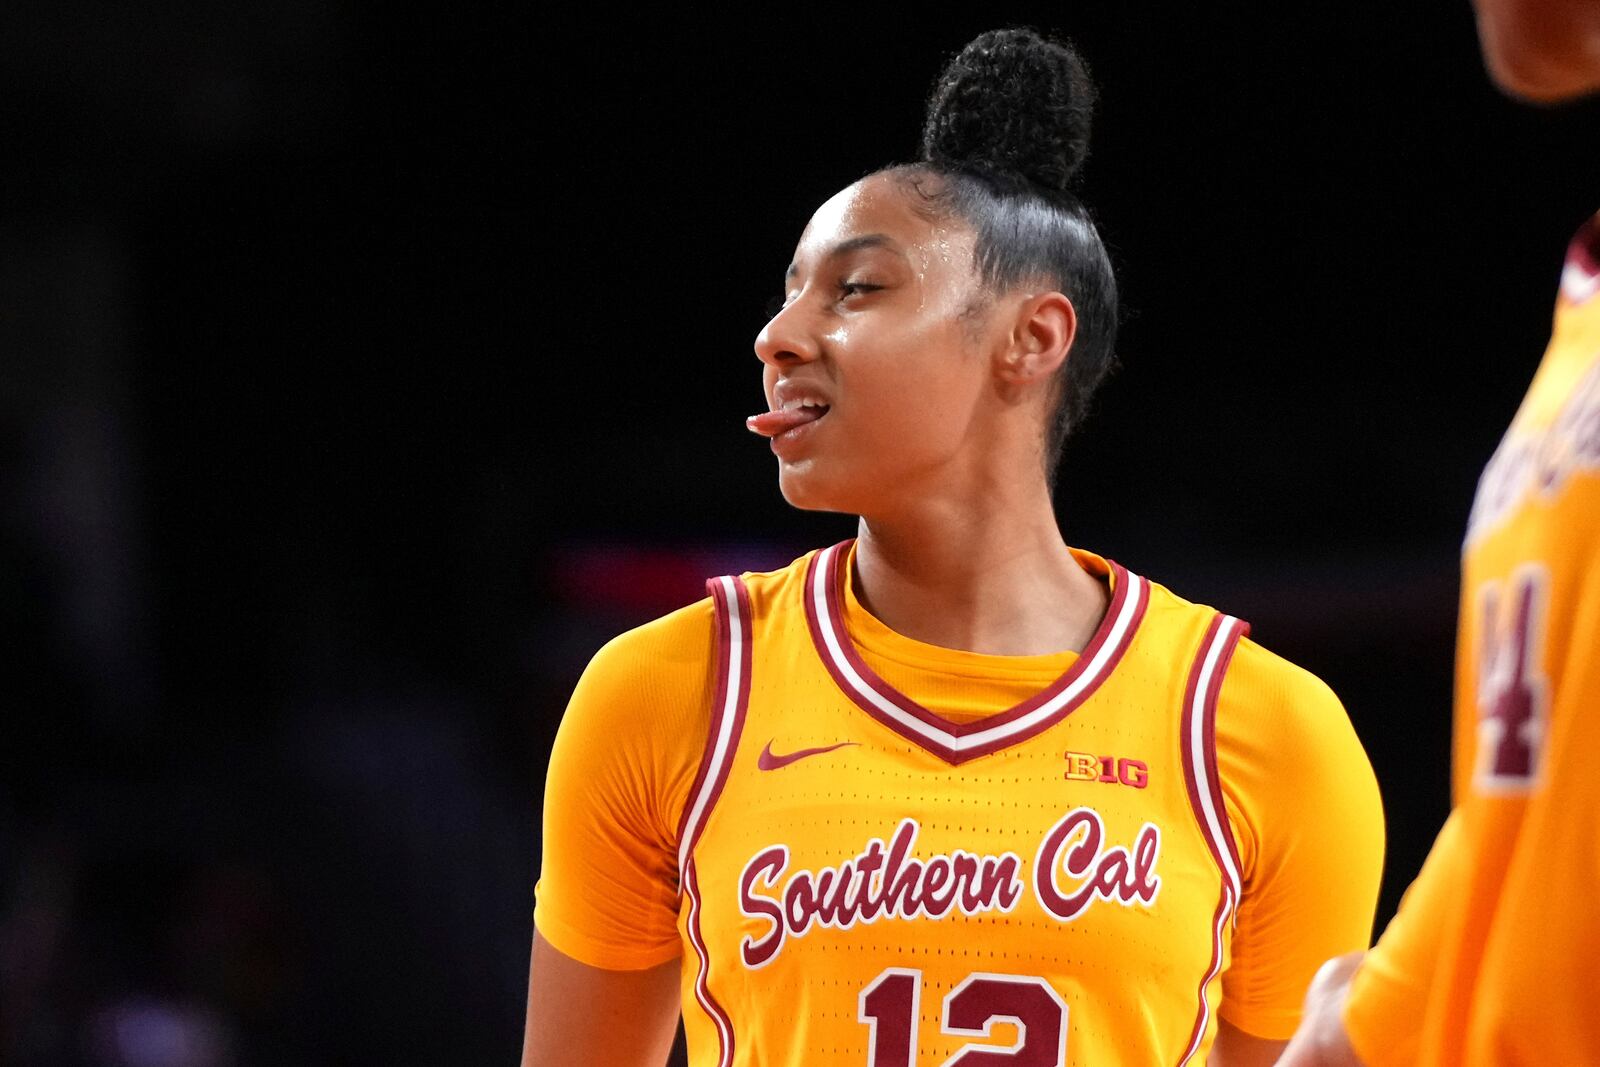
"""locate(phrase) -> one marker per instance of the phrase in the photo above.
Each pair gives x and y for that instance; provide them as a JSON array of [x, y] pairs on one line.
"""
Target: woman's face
[[874, 369]]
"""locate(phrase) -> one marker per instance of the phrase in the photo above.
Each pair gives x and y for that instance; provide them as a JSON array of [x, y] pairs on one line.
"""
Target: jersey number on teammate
[[890, 1004], [1512, 692]]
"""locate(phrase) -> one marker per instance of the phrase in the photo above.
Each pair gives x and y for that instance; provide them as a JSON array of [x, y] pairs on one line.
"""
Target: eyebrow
[[852, 244]]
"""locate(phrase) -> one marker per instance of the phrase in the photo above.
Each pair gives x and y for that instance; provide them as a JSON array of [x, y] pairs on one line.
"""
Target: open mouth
[[791, 416]]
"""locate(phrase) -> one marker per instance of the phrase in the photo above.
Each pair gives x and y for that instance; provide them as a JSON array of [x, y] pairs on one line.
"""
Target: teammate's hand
[[1321, 1041]]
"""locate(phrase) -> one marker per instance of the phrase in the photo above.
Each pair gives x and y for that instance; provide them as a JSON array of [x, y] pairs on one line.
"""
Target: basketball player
[[1494, 956], [951, 792]]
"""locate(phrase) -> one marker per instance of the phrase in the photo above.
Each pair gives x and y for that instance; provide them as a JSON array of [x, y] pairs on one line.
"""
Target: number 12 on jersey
[[890, 1004]]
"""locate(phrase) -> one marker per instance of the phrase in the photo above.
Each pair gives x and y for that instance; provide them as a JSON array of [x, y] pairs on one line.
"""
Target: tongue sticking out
[[773, 423]]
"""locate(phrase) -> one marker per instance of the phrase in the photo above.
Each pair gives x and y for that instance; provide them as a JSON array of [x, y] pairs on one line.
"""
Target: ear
[[1041, 336]]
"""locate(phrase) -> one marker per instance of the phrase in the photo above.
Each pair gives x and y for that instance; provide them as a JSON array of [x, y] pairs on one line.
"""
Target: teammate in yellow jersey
[[1494, 956], [951, 792]]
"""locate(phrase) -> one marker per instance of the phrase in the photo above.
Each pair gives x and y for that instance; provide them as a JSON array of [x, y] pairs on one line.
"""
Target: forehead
[[881, 204]]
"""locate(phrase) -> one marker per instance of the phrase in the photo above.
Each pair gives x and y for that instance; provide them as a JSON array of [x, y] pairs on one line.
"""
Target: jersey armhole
[[1199, 742], [729, 701], [1199, 751]]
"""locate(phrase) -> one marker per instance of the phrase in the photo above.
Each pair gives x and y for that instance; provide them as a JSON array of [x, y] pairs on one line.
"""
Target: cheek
[[917, 398]]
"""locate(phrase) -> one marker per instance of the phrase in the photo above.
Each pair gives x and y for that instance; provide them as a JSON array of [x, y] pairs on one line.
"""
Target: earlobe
[[1046, 324]]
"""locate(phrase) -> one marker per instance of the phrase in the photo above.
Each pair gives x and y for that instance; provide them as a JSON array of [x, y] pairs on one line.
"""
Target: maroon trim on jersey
[[1580, 273], [712, 776], [1186, 730], [833, 583], [719, 704], [1209, 729], [1219, 920], [1223, 635], [702, 988], [1584, 251], [719, 698], [742, 703]]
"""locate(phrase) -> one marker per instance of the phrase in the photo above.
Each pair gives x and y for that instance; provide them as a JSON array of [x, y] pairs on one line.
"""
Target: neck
[[996, 579]]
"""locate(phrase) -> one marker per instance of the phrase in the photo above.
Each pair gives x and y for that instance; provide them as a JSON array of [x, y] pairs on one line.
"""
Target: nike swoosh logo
[[769, 761]]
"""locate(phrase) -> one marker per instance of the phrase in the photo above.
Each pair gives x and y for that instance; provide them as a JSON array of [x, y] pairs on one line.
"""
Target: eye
[[848, 289]]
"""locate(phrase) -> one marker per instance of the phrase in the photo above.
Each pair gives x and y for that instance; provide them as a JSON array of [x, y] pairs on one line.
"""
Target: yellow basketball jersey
[[1492, 958], [867, 883]]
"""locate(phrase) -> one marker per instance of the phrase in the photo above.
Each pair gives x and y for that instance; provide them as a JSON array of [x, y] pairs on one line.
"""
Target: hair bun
[[1012, 104]]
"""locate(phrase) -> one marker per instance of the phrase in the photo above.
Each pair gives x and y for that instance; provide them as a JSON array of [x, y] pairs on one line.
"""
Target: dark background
[[363, 369]]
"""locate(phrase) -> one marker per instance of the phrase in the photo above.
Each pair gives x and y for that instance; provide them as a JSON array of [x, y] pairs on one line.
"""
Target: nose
[[786, 340]]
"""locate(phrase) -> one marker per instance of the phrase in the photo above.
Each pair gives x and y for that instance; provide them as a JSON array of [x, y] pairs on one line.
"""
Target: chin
[[804, 488]]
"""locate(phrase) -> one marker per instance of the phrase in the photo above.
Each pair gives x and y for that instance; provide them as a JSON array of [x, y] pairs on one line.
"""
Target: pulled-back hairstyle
[[1007, 129]]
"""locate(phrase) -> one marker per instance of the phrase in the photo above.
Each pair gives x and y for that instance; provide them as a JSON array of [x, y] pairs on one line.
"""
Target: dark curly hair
[[1007, 130]]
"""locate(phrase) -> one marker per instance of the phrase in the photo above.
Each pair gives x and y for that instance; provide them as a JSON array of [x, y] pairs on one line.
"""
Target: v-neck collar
[[956, 743]]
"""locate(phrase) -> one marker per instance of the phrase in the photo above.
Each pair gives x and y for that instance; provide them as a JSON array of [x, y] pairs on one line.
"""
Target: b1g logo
[[1513, 692], [1087, 767]]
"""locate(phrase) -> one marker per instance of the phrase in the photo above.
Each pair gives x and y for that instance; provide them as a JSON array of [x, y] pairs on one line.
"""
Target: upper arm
[[583, 1014], [622, 764], [1304, 804], [1388, 994]]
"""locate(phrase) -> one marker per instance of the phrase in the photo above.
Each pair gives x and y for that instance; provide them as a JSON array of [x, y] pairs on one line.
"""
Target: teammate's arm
[[1321, 1040], [1235, 1048], [1377, 1007], [583, 1014]]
